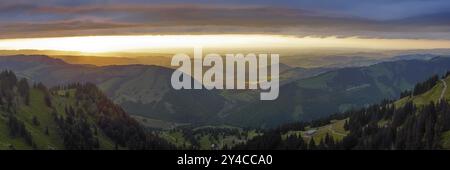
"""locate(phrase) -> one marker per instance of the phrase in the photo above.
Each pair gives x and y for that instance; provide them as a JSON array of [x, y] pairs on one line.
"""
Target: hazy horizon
[[136, 28]]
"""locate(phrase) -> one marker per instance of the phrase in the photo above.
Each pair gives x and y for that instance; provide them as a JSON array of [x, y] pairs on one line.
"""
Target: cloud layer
[[375, 19]]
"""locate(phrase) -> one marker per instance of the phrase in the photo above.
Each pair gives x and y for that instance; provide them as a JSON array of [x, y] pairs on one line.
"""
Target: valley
[[225, 119], [305, 94], [210, 80]]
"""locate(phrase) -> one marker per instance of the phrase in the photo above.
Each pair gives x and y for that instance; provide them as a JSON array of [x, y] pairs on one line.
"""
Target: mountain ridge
[[145, 90], [339, 90]]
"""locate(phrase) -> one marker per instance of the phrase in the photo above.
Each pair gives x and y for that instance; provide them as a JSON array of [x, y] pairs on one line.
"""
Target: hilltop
[[77, 116], [418, 120]]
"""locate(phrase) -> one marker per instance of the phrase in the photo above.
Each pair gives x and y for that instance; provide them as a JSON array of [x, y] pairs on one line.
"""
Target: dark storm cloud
[[378, 18]]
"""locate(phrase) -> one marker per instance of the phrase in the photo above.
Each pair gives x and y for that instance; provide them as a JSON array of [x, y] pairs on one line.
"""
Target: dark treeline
[[380, 126], [81, 124], [272, 140], [76, 131], [110, 118], [193, 134], [9, 96], [14, 92], [408, 127], [422, 87], [17, 129], [299, 126]]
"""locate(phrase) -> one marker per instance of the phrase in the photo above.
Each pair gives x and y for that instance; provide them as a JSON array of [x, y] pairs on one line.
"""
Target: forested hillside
[[145, 91], [337, 91], [77, 116], [419, 120]]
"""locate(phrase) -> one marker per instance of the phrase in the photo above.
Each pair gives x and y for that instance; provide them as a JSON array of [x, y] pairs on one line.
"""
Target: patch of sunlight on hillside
[[445, 140], [431, 95]]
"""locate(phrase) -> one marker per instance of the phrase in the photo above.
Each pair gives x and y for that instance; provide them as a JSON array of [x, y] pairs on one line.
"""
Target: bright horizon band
[[149, 43]]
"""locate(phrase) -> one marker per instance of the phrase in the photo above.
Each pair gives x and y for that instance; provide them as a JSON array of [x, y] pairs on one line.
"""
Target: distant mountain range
[[337, 91], [305, 94], [139, 89]]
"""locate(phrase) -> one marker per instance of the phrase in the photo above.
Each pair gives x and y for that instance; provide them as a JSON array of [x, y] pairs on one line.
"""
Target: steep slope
[[414, 122], [417, 121], [336, 91], [432, 95], [74, 117], [140, 89]]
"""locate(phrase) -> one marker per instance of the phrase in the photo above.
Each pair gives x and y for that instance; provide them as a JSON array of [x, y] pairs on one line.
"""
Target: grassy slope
[[425, 98], [38, 109], [25, 113], [432, 95], [445, 140], [176, 138], [419, 100], [6, 140], [60, 102]]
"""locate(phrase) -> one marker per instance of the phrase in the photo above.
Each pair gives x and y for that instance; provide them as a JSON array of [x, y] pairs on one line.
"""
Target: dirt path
[[443, 90]]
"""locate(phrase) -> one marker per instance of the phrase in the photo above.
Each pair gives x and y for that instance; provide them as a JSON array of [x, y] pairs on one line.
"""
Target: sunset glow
[[144, 43]]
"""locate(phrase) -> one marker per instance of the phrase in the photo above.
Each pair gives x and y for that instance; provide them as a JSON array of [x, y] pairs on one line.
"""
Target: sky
[[404, 23]]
